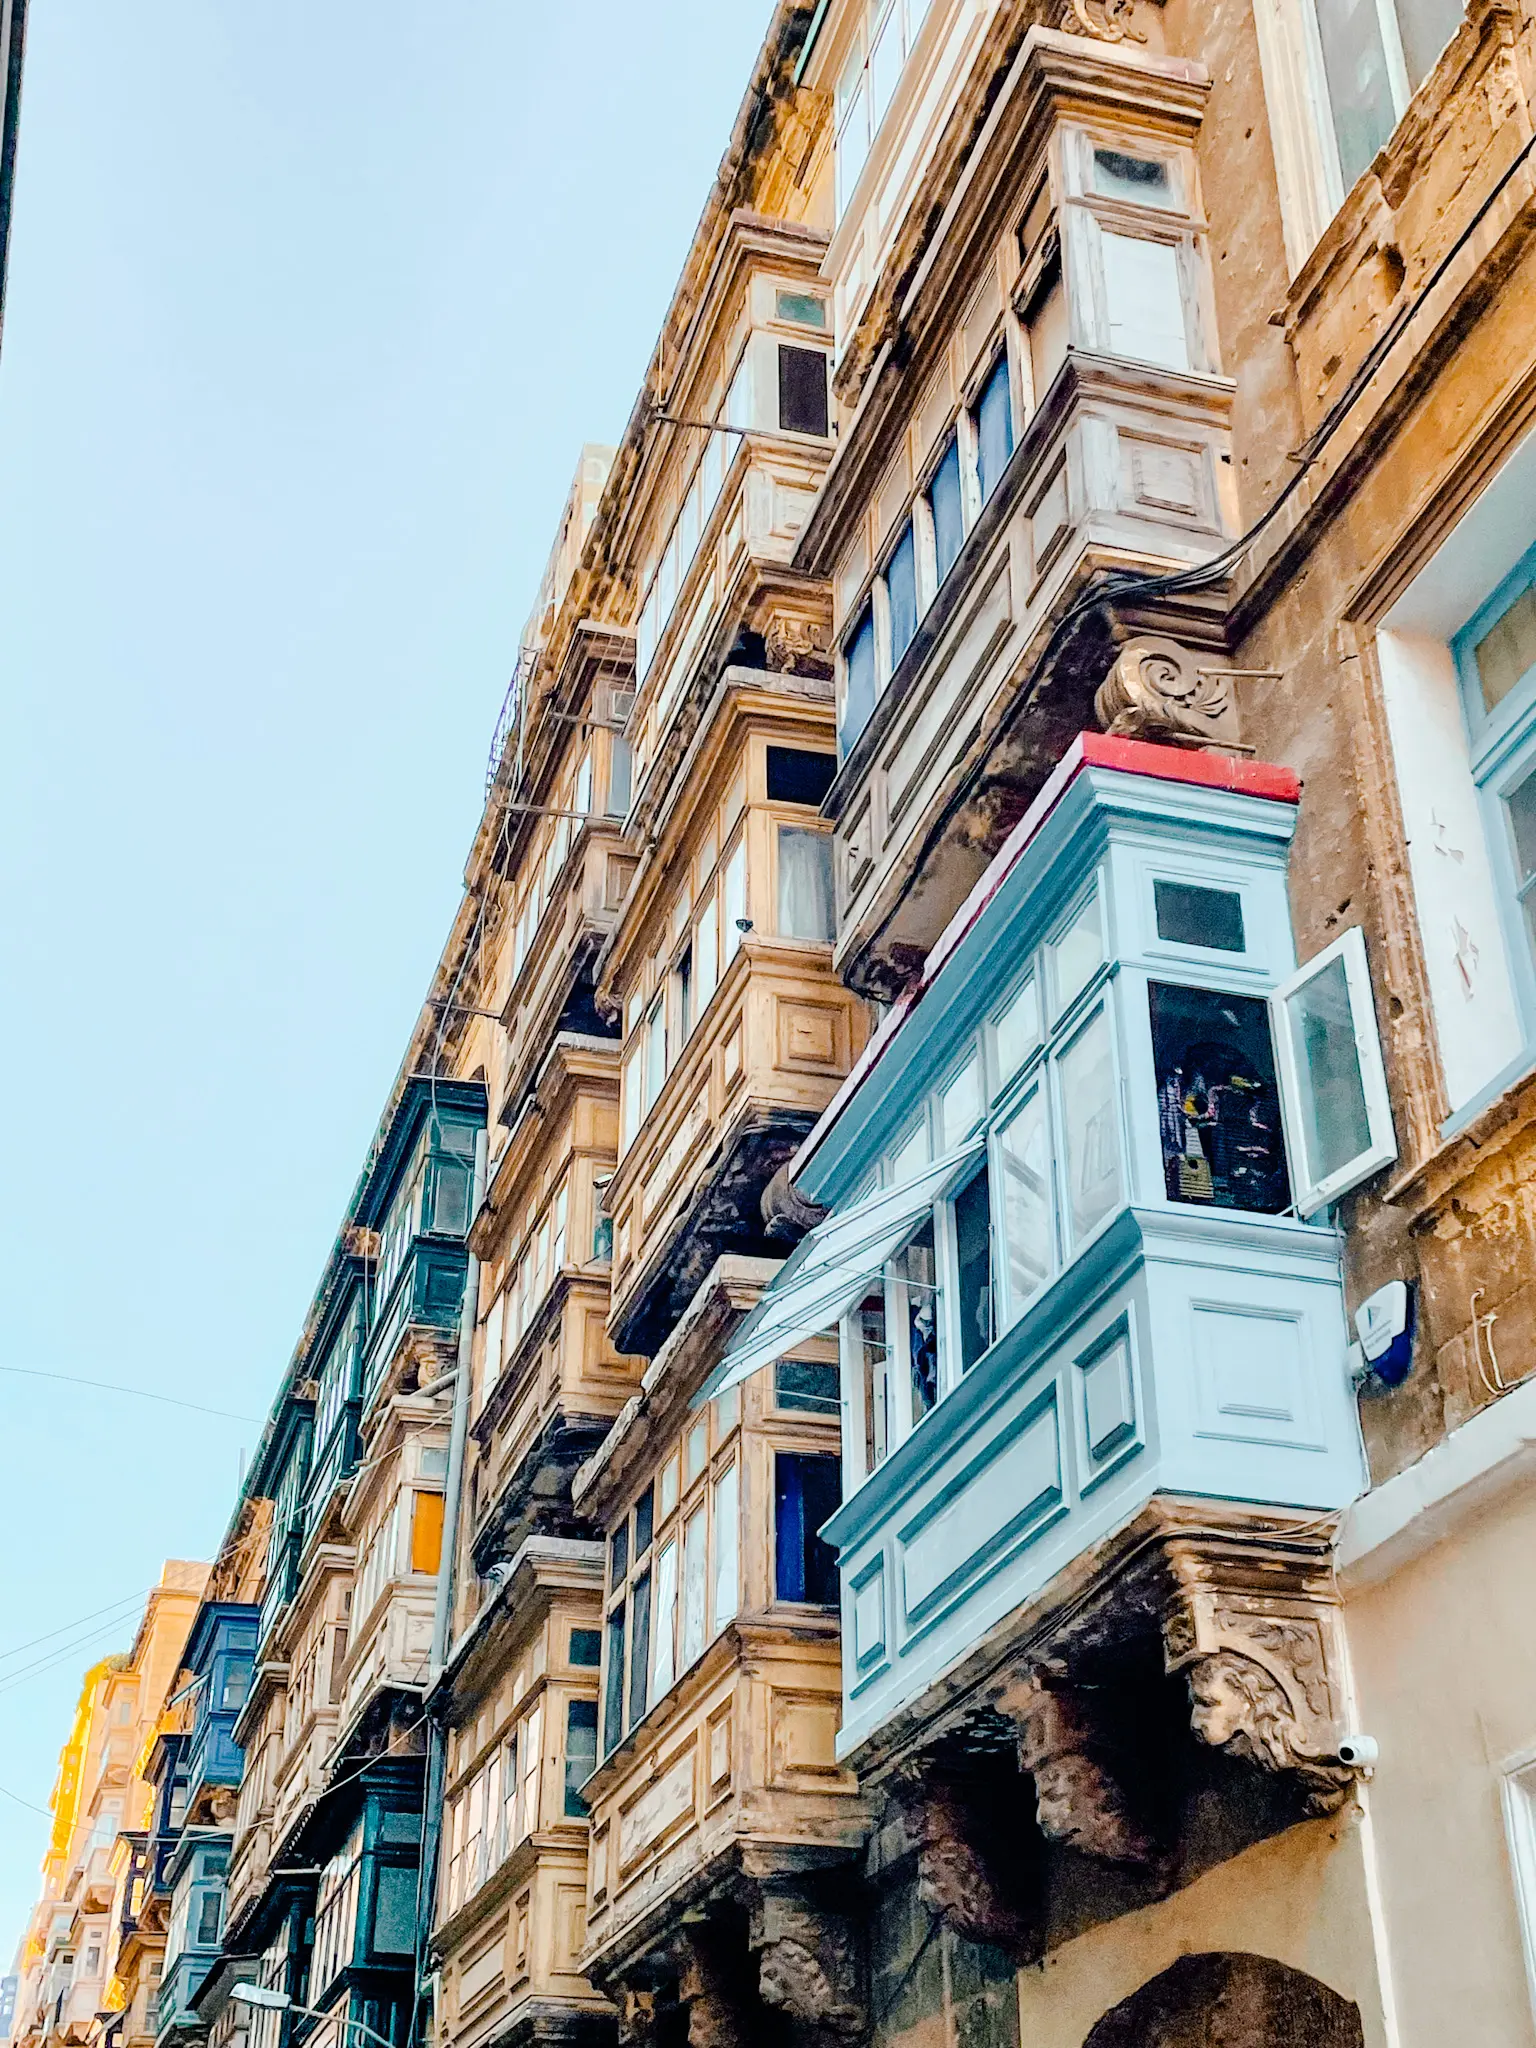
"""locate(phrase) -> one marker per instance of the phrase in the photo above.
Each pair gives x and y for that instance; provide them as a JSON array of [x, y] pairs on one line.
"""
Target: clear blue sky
[[311, 307]]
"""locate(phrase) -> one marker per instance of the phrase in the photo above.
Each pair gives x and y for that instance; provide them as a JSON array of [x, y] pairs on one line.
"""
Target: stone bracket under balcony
[[1065, 1771], [769, 1946]]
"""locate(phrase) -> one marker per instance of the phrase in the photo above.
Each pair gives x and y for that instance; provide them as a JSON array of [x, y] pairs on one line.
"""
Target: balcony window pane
[[853, 127], [532, 1744], [807, 1490], [1359, 87], [1426, 26], [916, 1268], [994, 429], [1018, 1031], [1188, 915], [901, 589], [639, 1647], [805, 884], [1024, 1158], [394, 1910], [1335, 1119], [695, 1450], [724, 1591], [695, 1545], [805, 1385], [859, 678], [960, 1105], [973, 1267], [613, 1680], [805, 309], [1520, 809], [1218, 1109], [1141, 179], [580, 1754], [655, 1053], [885, 57], [706, 955], [712, 471], [872, 1360], [948, 513], [1506, 653], [1087, 1072], [620, 776], [1144, 301], [1076, 954], [735, 899], [664, 1668], [645, 1522], [802, 390], [796, 775]]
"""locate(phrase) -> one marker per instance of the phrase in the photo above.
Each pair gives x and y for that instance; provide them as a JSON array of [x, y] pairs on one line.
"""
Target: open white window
[[1333, 1085]]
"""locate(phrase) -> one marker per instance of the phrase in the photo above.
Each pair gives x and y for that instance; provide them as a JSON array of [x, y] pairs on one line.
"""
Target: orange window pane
[[427, 1532]]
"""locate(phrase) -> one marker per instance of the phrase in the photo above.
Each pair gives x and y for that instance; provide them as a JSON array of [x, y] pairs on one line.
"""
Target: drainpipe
[[442, 1612]]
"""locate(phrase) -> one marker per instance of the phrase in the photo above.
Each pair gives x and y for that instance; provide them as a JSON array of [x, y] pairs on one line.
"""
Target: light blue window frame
[[1502, 754]]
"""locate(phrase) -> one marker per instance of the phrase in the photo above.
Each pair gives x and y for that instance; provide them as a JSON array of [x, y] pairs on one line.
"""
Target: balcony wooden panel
[[762, 1063]]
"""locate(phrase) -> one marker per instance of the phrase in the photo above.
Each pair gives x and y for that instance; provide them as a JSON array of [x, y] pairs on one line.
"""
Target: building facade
[[917, 1431]]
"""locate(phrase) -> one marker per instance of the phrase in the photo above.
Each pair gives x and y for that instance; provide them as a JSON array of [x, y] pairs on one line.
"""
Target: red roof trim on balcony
[[1262, 779]]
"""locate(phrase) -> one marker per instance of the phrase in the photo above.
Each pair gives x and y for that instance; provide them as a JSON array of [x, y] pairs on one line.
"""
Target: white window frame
[[1517, 1795], [1311, 1194]]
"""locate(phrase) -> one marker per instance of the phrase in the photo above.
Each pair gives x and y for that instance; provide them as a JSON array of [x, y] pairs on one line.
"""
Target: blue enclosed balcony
[[1088, 1289], [416, 1197], [197, 1872], [220, 1653]]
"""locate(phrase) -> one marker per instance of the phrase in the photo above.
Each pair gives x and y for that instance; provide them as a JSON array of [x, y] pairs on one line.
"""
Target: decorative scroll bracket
[[1156, 691]]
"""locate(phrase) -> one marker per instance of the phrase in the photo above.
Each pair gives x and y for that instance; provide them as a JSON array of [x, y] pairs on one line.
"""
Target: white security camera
[[1359, 1750]]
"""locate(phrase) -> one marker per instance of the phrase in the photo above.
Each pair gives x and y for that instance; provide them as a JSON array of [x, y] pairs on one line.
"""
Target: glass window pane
[[885, 58], [910, 1156], [1143, 301], [706, 956], [580, 1754], [859, 681], [960, 1105], [1024, 1157], [664, 1628], [1191, 916], [994, 429], [802, 390], [645, 1522], [1426, 26], [973, 1263], [1076, 954], [808, 1386], [807, 1490], [586, 1647], [1143, 179], [853, 135], [796, 775], [873, 1360], [620, 776], [1359, 89], [948, 515], [804, 308], [1087, 1074], [735, 898], [917, 1269], [1335, 1126], [805, 883], [696, 1450], [1218, 1108], [723, 1603], [1018, 1031], [694, 1548], [639, 1649], [1506, 653], [1520, 808], [613, 1681], [901, 589], [394, 1912], [655, 1052]]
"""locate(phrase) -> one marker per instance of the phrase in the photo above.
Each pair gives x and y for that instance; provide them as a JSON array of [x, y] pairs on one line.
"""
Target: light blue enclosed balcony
[[1079, 1247]]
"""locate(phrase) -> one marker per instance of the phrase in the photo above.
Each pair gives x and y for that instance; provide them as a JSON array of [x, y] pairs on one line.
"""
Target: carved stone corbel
[[797, 645], [1156, 691], [706, 1987], [956, 1877], [1107, 21], [637, 2019], [1262, 1684], [809, 1966], [1079, 1799]]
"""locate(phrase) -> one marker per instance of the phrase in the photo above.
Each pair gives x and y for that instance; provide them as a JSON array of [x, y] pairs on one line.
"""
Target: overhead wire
[[128, 1602], [33, 1372]]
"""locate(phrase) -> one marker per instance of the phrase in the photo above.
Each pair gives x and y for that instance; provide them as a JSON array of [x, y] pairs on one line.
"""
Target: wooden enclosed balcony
[[736, 1032], [1064, 414], [519, 1700], [547, 1380], [720, 1798]]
